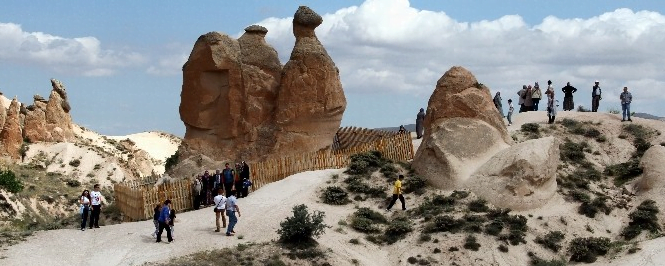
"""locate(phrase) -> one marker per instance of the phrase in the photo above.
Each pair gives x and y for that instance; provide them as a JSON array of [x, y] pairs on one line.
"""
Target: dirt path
[[131, 243]]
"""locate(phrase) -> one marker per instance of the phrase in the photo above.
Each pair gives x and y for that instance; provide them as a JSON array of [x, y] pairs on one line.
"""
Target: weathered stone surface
[[463, 129], [653, 166], [11, 136], [35, 123], [3, 112], [238, 103], [49, 120], [311, 100], [521, 177]]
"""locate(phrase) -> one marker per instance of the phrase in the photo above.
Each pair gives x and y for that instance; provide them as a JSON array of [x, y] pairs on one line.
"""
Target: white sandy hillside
[[5, 101], [158, 145]]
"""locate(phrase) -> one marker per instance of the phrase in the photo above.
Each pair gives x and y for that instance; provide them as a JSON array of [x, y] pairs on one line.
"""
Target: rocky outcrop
[[50, 120], [653, 167], [311, 100], [3, 112], [521, 177], [463, 130], [11, 137], [238, 103]]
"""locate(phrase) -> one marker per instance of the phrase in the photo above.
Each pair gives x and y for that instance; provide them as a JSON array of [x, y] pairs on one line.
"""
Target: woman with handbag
[[85, 207], [220, 206]]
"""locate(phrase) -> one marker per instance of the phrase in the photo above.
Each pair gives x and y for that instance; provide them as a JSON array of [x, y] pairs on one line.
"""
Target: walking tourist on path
[[596, 96], [397, 193], [96, 200], [231, 209], [85, 208], [420, 119], [568, 103], [536, 94], [626, 98], [164, 222], [220, 207]]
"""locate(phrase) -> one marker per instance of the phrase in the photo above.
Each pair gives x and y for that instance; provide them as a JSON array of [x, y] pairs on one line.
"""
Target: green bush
[[302, 227], [572, 152], [551, 240], [589, 209], [445, 223], [397, 229], [9, 182], [171, 161], [365, 220], [388, 170], [471, 243], [579, 196], [355, 184], [335, 195], [365, 163], [644, 218], [532, 130], [479, 205], [435, 206], [570, 123], [473, 223], [592, 133], [503, 248], [370, 214], [415, 184], [73, 183], [75, 162], [588, 249], [495, 227], [624, 172]]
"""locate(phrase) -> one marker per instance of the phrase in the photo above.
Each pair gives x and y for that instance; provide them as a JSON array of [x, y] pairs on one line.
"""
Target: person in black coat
[[568, 103]]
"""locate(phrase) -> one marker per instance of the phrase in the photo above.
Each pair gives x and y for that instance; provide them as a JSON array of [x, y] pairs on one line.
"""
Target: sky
[[121, 60]]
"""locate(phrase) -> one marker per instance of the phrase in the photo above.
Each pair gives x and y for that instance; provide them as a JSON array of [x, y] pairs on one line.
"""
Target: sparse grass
[[624, 172], [572, 152]]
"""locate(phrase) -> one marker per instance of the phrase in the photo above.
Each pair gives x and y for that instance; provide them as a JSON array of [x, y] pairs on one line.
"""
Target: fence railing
[[136, 200]]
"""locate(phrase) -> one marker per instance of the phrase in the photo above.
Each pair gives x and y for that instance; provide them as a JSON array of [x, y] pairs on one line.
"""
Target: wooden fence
[[137, 200]]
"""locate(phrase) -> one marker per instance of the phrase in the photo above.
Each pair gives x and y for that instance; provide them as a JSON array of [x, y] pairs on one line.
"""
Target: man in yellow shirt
[[397, 193]]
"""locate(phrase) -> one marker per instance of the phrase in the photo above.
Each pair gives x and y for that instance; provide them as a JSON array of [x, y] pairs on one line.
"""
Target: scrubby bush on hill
[[644, 218], [624, 172], [479, 205], [356, 184], [335, 195], [302, 227], [366, 163], [532, 130], [590, 208], [572, 152], [397, 229], [75, 163], [588, 249], [471, 243], [366, 220], [171, 161], [9, 182], [435, 206], [551, 240], [415, 184]]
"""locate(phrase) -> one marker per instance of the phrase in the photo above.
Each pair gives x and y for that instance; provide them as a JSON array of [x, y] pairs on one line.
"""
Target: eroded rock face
[[521, 177], [238, 103], [50, 120], [463, 129], [3, 113], [653, 166], [11, 136]]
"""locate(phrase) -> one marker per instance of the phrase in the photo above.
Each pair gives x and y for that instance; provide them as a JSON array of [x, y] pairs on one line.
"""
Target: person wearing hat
[[536, 94], [625, 98], [596, 96]]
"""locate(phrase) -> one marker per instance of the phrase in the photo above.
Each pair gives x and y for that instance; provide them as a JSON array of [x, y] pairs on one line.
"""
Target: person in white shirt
[[220, 206], [96, 200], [85, 207]]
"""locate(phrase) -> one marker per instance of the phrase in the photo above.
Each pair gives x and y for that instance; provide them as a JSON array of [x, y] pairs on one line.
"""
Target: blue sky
[[120, 60]]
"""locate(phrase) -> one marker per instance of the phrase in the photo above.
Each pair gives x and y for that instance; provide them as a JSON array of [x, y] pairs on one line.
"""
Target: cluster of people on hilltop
[[234, 181], [529, 99]]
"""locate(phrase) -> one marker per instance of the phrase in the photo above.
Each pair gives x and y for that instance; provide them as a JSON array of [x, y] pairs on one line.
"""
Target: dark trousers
[[239, 189], [551, 120], [84, 216], [594, 103], [401, 199], [162, 226], [94, 218], [245, 191], [227, 188], [535, 103], [197, 201]]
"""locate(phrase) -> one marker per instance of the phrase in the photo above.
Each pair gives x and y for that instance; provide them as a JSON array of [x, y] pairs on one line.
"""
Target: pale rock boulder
[[463, 129], [11, 136], [653, 166], [521, 177], [58, 119], [311, 100]]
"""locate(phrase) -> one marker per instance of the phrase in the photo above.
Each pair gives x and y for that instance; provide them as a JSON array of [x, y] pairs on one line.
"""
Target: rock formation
[[463, 129], [11, 137], [520, 177], [3, 112], [311, 100], [238, 103], [653, 166], [49, 120]]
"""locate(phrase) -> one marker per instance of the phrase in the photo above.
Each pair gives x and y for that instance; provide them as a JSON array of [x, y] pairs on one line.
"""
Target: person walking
[[397, 193], [164, 222], [498, 104], [220, 207], [535, 96], [568, 102], [551, 106], [228, 175], [596, 96], [155, 219], [96, 200], [510, 112], [625, 98], [171, 223], [85, 208], [420, 119], [231, 209], [522, 95]]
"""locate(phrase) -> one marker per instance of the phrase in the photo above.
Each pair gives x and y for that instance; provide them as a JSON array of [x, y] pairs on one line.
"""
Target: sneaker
[[510, 124], [229, 234], [630, 120], [83, 229], [623, 120], [96, 226], [216, 230], [404, 209]]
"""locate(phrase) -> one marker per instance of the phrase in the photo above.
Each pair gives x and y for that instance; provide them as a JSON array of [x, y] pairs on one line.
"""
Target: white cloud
[[169, 65], [83, 55]]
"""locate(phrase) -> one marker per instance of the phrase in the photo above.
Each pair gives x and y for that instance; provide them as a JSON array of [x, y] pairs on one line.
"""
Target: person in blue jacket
[[164, 221]]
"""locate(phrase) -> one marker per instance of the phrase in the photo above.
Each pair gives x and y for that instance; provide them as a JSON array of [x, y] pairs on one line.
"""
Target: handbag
[[215, 210], [81, 209]]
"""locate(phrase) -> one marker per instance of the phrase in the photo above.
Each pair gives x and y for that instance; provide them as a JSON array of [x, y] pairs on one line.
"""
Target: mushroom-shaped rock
[[653, 167]]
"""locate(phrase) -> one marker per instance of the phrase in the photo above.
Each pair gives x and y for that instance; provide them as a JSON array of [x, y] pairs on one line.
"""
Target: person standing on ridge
[[551, 106], [521, 94], [626, 98], [510, 112], [397, 193], [568, 103], [596, 95], [498, 104], [420, 119], [536, 94]]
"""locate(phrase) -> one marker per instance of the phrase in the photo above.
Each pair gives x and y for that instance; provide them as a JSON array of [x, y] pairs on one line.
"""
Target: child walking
[[155, 219], [510, 112], [171, 219]]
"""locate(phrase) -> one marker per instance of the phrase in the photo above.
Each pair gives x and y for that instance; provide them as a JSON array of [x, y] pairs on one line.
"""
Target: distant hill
[[409, 127], [648, 116]]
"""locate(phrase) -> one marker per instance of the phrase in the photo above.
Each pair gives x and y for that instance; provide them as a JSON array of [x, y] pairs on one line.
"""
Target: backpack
[[246, 183], [228, 175]]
